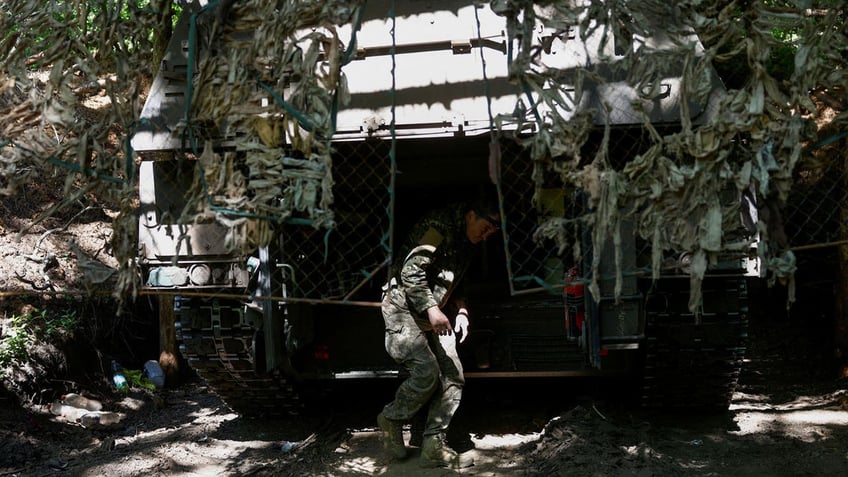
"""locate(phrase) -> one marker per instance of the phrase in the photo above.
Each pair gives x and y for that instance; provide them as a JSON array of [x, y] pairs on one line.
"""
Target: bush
[[21, 333]]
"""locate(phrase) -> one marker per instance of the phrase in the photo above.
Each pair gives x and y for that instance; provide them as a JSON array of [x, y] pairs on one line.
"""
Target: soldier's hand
[[440, 323], [461, 327]]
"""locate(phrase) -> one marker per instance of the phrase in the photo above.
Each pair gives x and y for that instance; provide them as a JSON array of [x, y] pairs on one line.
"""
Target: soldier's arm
[[413, 273], [413, 277], [418, 294]]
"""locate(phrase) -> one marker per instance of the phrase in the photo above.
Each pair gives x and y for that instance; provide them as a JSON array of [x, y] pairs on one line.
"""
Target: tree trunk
[[164, 12], [168, 341]]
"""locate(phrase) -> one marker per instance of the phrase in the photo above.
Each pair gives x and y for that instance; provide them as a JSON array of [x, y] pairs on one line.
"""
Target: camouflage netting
[[285, 143], [57, 54], [754, 142], [60, 60]]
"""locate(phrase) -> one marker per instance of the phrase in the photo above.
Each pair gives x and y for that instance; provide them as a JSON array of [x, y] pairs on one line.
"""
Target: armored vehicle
[[283, 154]]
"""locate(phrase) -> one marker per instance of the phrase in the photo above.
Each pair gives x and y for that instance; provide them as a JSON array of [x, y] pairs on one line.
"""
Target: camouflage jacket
[[434, 258]]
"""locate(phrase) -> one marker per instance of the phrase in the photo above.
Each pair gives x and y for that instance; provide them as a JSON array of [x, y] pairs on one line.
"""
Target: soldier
[[419, 335]]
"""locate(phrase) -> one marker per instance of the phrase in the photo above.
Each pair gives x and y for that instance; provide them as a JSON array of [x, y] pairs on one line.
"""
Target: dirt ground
[[788, 417]]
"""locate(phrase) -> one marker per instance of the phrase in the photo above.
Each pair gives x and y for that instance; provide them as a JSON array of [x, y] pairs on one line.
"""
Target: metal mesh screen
[[347, 261], [537, 262], [814, 210], [531, 264]]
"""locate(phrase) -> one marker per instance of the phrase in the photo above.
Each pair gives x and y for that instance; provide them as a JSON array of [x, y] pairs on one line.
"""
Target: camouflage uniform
[[431, 264]]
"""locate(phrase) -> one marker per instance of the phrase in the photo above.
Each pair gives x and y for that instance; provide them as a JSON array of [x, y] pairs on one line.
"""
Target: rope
[[486, 87], [303, 120], [494, 154], [825, 142], [389, 245], [346, 58], [522, 81]]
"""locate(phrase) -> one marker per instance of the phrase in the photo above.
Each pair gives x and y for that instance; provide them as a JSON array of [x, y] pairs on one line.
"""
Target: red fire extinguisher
[[575, 306]]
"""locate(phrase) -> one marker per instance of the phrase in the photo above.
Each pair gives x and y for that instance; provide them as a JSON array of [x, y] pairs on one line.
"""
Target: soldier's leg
[[416, 428], [448, 395], [407, 345], [443, 406]]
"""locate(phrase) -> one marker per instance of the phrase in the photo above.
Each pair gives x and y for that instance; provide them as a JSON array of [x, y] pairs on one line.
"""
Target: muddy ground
[[789, 417]]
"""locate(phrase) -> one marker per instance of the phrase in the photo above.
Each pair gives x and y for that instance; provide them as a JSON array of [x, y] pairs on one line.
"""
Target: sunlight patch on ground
[[360, 466], [744, 400], [755, 402], [209, 414], [503, 441], [363, 454], [221, 448], [805, 425], [806, 418], [365, 443], [143, 465], [204, 456], [131, 404]]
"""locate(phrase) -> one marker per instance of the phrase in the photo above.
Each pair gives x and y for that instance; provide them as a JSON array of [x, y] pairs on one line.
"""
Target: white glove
[[461, 326]]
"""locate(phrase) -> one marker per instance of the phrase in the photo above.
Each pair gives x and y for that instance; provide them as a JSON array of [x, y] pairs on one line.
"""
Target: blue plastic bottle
[[118, 377]]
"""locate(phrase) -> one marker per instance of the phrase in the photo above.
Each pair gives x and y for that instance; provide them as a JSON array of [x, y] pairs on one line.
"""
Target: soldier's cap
[[495, 223]]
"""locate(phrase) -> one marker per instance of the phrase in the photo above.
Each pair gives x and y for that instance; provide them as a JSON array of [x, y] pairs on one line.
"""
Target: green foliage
[[781, 61], [735, 69], [92, 27], [23, 330], [13, 345], [137, 379]]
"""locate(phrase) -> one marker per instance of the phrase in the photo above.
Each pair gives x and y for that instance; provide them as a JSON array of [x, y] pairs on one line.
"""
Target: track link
[[217, 342], [694, 362]]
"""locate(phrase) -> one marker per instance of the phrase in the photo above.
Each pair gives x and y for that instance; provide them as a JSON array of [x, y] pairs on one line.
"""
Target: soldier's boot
[[435, 453], [416, 430], [392, 436]]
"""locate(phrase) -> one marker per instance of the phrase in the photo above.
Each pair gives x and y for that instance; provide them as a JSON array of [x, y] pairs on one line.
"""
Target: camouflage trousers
[[435, 372]]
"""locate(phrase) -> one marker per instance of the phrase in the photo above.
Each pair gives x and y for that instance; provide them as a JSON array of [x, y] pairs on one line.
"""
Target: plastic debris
[[154, 373], [76, 400], [100, 419]]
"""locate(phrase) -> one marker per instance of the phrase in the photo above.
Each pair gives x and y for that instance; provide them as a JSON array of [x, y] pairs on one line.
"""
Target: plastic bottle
[[252, 264], [118, 377], [154, 373], [68, 413], [95, 419], [82, 402]]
